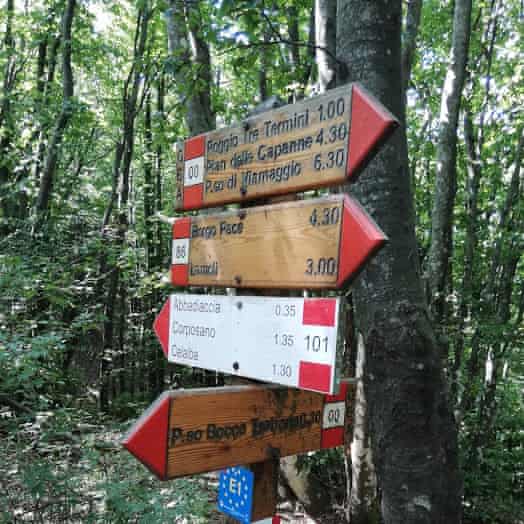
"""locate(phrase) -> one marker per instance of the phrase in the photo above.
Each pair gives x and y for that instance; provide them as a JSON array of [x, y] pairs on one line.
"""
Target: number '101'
[[316, 343]]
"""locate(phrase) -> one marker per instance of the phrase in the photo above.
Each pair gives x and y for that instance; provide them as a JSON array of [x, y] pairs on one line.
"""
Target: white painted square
[[180, 253], [334, 415], [194, 171]]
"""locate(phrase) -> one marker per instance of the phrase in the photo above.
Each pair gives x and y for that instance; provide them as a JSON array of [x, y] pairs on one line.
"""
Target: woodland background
[[95, 94]]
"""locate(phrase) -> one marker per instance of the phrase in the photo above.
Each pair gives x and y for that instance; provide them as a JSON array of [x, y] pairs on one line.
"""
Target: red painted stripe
[[359, 240], [319, 312], [147, 440], [193, 196], [275, 520], [161, 326], [180, 274], [371, 125], [182, 228], [194, 147], [341, 395], [331, 438], [314, 376]]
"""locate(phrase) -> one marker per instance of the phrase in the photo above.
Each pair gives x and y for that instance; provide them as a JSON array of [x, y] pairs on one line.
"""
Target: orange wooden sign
[[318, 142], [318, 243], [186, 432]]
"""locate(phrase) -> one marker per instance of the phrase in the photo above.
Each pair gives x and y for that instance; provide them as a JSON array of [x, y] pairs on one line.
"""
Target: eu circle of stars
[[235, 493]]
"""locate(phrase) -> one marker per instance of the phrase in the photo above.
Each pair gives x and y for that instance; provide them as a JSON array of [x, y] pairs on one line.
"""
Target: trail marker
[[288, 341], [317, 142], [186, 432], [318, 243], [235, 493]]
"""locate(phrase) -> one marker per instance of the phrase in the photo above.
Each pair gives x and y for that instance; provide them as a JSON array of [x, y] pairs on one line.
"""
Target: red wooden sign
[[192, 431], [317, 243], [317, 142]]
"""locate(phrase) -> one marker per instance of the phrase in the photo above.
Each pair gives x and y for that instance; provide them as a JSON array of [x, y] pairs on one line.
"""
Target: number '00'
[[334, 416], [192, 172]]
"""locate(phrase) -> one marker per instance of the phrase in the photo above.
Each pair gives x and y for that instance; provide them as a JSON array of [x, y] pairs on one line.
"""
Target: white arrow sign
[[288, 341]]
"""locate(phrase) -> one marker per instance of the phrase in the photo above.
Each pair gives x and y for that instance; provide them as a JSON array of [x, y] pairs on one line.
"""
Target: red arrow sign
[[318, 243], [317, 142], [186, 432]]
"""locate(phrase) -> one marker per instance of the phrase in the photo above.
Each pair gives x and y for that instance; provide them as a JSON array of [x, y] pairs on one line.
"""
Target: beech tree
[[413, 433]]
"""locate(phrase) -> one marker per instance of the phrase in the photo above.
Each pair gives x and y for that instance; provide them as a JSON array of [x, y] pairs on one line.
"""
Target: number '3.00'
[[322, 266]]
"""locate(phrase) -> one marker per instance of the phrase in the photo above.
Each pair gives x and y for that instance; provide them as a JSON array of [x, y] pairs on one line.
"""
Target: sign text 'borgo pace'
[[288, 341], [317, 142], [317, 243], [186, 432]]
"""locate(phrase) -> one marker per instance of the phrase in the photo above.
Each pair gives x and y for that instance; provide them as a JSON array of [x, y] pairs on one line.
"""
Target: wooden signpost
[[186, 432], [309, 244], [318, 243], [288, 341], [320, 141]]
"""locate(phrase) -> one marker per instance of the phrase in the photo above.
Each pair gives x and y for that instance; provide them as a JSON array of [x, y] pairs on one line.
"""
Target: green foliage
[[54, 287], [67, 468], [493, 474]]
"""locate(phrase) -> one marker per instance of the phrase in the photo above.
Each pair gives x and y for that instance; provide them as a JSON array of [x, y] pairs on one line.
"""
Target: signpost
[[318, 243], [318, 142], [186, 432], [288, 341]]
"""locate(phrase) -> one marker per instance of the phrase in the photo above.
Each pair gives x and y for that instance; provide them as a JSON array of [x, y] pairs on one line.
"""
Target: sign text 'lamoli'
[[288, 341], [317, 243], [186, 432], [317, 142]]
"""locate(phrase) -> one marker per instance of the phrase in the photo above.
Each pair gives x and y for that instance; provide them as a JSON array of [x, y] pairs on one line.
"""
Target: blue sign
[[235, 493]]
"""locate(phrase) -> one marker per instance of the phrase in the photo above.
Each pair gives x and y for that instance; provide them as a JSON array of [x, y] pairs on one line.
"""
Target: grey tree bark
[[326, 43], [189, 53], [409, 40], [439, 254], [362, 507], [414, 438]]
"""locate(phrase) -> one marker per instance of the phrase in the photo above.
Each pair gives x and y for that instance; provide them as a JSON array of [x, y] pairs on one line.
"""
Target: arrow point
[[360, 239], [147, 439], [371, 125], [161, 326]]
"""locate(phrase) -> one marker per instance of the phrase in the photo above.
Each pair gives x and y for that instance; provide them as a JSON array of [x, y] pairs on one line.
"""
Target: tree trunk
[[413, 15], [362, 504], [190, 54], [120, 194], [414, 438], [6, 119], [44, 128], [439, 255], [53, 151], [326, 43]]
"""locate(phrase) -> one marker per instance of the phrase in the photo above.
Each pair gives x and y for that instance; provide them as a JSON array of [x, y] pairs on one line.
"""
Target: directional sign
[[192, 431], [288, 341], [317, 142], [318, 243], [235, 493]]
